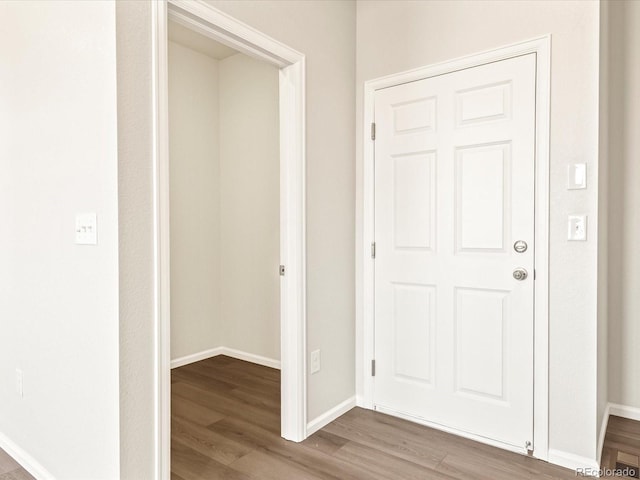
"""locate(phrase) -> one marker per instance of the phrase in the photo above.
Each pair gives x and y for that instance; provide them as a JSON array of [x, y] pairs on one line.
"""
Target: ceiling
[[199, 43]]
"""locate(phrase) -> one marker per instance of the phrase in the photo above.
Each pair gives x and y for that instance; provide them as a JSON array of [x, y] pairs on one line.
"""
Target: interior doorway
[[224, 178], [207, 22]]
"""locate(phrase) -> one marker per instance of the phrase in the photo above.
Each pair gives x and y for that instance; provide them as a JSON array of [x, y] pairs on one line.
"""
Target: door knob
[[520, 274]]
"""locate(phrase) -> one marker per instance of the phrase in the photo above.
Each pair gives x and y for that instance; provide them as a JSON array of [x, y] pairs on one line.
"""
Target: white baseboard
[[250, 357], [196, 357], [625, 411], [574, 462], [326, 418], [229, 352], [24, 459]]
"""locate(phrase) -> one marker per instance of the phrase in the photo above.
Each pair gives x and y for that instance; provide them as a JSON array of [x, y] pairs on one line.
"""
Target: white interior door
[[454, 190]]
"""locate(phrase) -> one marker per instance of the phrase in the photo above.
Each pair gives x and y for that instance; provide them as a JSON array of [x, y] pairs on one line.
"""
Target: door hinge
[[373, 368], [528, 446], [373, 249], [373, 131], [282, 270], [534, 273]]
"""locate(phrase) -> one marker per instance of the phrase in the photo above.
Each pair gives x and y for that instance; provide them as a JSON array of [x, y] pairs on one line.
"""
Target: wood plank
[[191, 465], [378, 463], [311, 460], [7, 464], [206, 442], [325, 442], [261, 466], [19, 474], [228, 406], [404, 445], [188, 410], [472, 466]]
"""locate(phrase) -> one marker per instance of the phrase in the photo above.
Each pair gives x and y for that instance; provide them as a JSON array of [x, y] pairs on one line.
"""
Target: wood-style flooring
[[11, 470], [621, 445], [226, 424]]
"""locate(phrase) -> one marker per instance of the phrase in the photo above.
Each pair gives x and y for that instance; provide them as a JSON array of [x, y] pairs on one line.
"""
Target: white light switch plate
[[86, 229], [315, 361], [577, 176], [577, 228]]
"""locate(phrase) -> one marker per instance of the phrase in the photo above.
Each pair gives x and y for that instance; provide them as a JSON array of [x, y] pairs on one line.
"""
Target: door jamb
[[365, 272], [209, 21]]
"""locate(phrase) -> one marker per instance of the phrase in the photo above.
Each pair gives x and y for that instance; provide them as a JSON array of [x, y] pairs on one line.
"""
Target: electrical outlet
[[19, 389], [315, 361]]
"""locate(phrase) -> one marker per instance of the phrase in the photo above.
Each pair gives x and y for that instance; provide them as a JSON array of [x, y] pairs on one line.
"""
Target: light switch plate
[[577, 228], [577, 176], [315, 361], [86, 229]]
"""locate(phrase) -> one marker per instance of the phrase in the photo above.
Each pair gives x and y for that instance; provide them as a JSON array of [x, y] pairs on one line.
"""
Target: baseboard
[[196, 357], [625, 411], [24, 459], [229, 352], [326, 418], [603, 431], [250, 357], [577, 463]]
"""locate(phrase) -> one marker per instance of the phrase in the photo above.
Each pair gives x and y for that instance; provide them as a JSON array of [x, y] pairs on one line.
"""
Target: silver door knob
[[520, 274]]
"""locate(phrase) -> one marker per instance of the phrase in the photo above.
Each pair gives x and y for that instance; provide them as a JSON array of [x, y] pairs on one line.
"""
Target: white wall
[[195, 202], [624, 232], [59, 301], [250, 206], [397, 36]]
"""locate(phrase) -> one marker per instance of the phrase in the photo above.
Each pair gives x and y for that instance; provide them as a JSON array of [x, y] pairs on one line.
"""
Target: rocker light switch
[[577, 176], [577, 227], [86, 229]]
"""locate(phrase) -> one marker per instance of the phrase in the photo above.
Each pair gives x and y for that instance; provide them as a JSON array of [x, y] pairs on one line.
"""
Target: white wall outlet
[[19, 383], [577, 176], [315, 361], [577, 228], [86, 229]]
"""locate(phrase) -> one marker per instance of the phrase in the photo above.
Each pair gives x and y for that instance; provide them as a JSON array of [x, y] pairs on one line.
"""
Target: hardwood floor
[[226, 424], [622, 445], [11, 470]]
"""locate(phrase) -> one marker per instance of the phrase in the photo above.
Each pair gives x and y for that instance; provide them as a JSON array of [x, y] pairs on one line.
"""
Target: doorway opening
[[230, 248]]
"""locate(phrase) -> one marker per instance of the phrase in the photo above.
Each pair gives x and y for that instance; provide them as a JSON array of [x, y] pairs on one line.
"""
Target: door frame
[[211, 22], [365, 271]]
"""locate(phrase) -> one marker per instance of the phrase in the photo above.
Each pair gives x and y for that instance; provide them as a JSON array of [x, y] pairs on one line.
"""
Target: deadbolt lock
[[520, 246]]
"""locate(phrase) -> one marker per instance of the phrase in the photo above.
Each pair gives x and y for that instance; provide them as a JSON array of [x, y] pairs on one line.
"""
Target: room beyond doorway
[[224, 201]]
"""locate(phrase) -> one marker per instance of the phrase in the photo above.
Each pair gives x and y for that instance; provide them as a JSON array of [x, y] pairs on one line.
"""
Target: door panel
[[454, 189], [414, 200]]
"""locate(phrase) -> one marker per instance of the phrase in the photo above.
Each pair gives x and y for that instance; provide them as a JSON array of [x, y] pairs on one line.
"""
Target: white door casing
[[454, 189], [213, 23]]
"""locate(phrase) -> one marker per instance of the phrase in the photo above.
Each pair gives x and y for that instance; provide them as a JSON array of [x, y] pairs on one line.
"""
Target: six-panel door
[[454, 190]]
